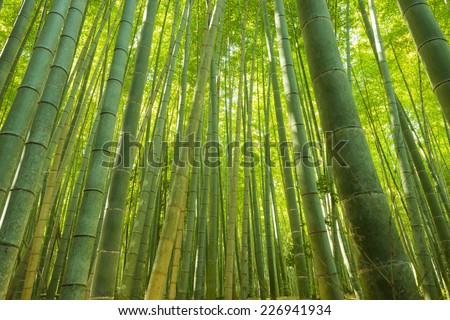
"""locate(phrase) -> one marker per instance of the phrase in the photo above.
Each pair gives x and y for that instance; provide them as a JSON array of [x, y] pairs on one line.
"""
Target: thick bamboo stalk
[[85, 234], [104, 281], [383, 268], [432, 46], [23, 109]]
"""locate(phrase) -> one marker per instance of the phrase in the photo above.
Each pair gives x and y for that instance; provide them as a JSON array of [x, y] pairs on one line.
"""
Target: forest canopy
[[224, 149]]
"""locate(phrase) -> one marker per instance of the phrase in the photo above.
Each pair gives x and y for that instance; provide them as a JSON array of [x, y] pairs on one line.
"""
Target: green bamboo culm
[[324, 265], [15, 40], [85, 231], [202, 241], [289, 189], [214, 182], [198, 286], [24, 106], [382, 265], [80, 86], [245, 225], [104, 282], [37, 145], [232, 212], [187, 266], [432, 46], [211, 262], [14, 132], [257, 237]]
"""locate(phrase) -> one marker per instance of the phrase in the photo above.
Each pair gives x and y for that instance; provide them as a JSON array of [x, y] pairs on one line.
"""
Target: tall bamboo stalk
[[104, 282], [85, 233], [432, 46], [383, 268]]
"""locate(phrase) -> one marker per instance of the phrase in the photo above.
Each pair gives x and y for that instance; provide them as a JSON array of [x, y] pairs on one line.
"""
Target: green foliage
[[324, 184]]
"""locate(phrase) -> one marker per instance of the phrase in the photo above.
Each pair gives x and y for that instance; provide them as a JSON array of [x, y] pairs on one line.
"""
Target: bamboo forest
[[224, 149]]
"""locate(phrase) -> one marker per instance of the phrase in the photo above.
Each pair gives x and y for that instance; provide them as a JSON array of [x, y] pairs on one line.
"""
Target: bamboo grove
[[227, 149]]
